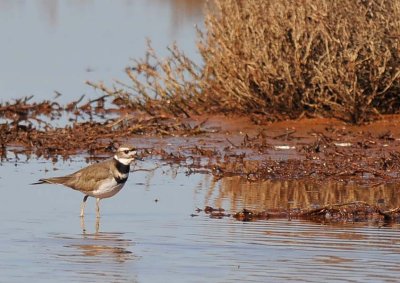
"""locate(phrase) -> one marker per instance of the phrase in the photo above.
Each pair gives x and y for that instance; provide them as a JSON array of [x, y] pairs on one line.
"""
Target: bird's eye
[[126, 151]]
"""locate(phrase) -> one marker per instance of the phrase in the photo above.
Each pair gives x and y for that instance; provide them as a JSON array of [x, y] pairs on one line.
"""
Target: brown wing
[[86, 179], [90, 178]]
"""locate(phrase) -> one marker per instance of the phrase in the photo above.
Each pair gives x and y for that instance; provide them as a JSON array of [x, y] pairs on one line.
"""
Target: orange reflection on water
[[238, 193]]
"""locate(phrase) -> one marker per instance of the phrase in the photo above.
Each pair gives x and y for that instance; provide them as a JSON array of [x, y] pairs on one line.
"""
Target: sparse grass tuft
[[280, 59]]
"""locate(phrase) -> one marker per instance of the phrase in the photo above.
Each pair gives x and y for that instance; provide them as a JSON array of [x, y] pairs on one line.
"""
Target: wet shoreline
[[224, 146]]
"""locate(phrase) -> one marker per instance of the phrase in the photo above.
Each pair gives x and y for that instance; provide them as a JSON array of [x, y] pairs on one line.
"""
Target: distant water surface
[[56, 45]]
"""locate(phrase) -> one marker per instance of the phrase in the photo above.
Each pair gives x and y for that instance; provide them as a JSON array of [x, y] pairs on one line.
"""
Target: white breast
[[107, 189]]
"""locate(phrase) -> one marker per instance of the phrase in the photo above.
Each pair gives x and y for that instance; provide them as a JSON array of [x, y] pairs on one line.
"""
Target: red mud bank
[[309, 148], [317, 149]]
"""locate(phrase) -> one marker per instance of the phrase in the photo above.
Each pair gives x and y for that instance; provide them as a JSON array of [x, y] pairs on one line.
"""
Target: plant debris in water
[[335, 213], [219, 145]]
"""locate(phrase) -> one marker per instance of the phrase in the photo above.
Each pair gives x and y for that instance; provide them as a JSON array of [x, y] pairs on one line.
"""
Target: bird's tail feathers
[[54, 180], [38, 182]]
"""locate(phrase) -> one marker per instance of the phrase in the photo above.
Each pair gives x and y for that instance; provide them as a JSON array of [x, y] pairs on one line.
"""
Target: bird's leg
[[83, 205], [97, 226], [97, 208], [83, 225]]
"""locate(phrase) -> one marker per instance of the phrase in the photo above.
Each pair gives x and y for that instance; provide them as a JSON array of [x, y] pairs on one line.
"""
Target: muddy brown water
[[139, 239]]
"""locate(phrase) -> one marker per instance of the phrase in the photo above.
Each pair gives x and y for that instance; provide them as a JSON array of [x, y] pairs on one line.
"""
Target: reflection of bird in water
[[107, 247], [99, 180]]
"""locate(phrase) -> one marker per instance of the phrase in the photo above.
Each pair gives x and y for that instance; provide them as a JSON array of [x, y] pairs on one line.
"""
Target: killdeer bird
[[99, 180]]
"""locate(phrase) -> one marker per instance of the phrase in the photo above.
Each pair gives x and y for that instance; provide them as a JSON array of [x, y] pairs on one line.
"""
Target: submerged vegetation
[[279, 59]]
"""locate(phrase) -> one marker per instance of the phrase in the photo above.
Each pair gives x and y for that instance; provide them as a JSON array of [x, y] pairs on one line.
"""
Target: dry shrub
[[282, 59]]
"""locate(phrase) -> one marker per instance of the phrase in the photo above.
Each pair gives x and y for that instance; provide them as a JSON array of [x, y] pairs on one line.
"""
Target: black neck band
[[122, 168]]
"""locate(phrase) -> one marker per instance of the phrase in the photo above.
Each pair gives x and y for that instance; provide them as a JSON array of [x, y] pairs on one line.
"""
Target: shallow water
[[138, 239]]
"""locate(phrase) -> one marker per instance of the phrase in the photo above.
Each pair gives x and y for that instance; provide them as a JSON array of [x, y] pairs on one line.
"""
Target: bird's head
[[126, 154]]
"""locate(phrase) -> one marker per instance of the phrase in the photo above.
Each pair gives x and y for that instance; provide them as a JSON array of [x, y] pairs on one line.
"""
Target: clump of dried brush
[[281, 59]]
